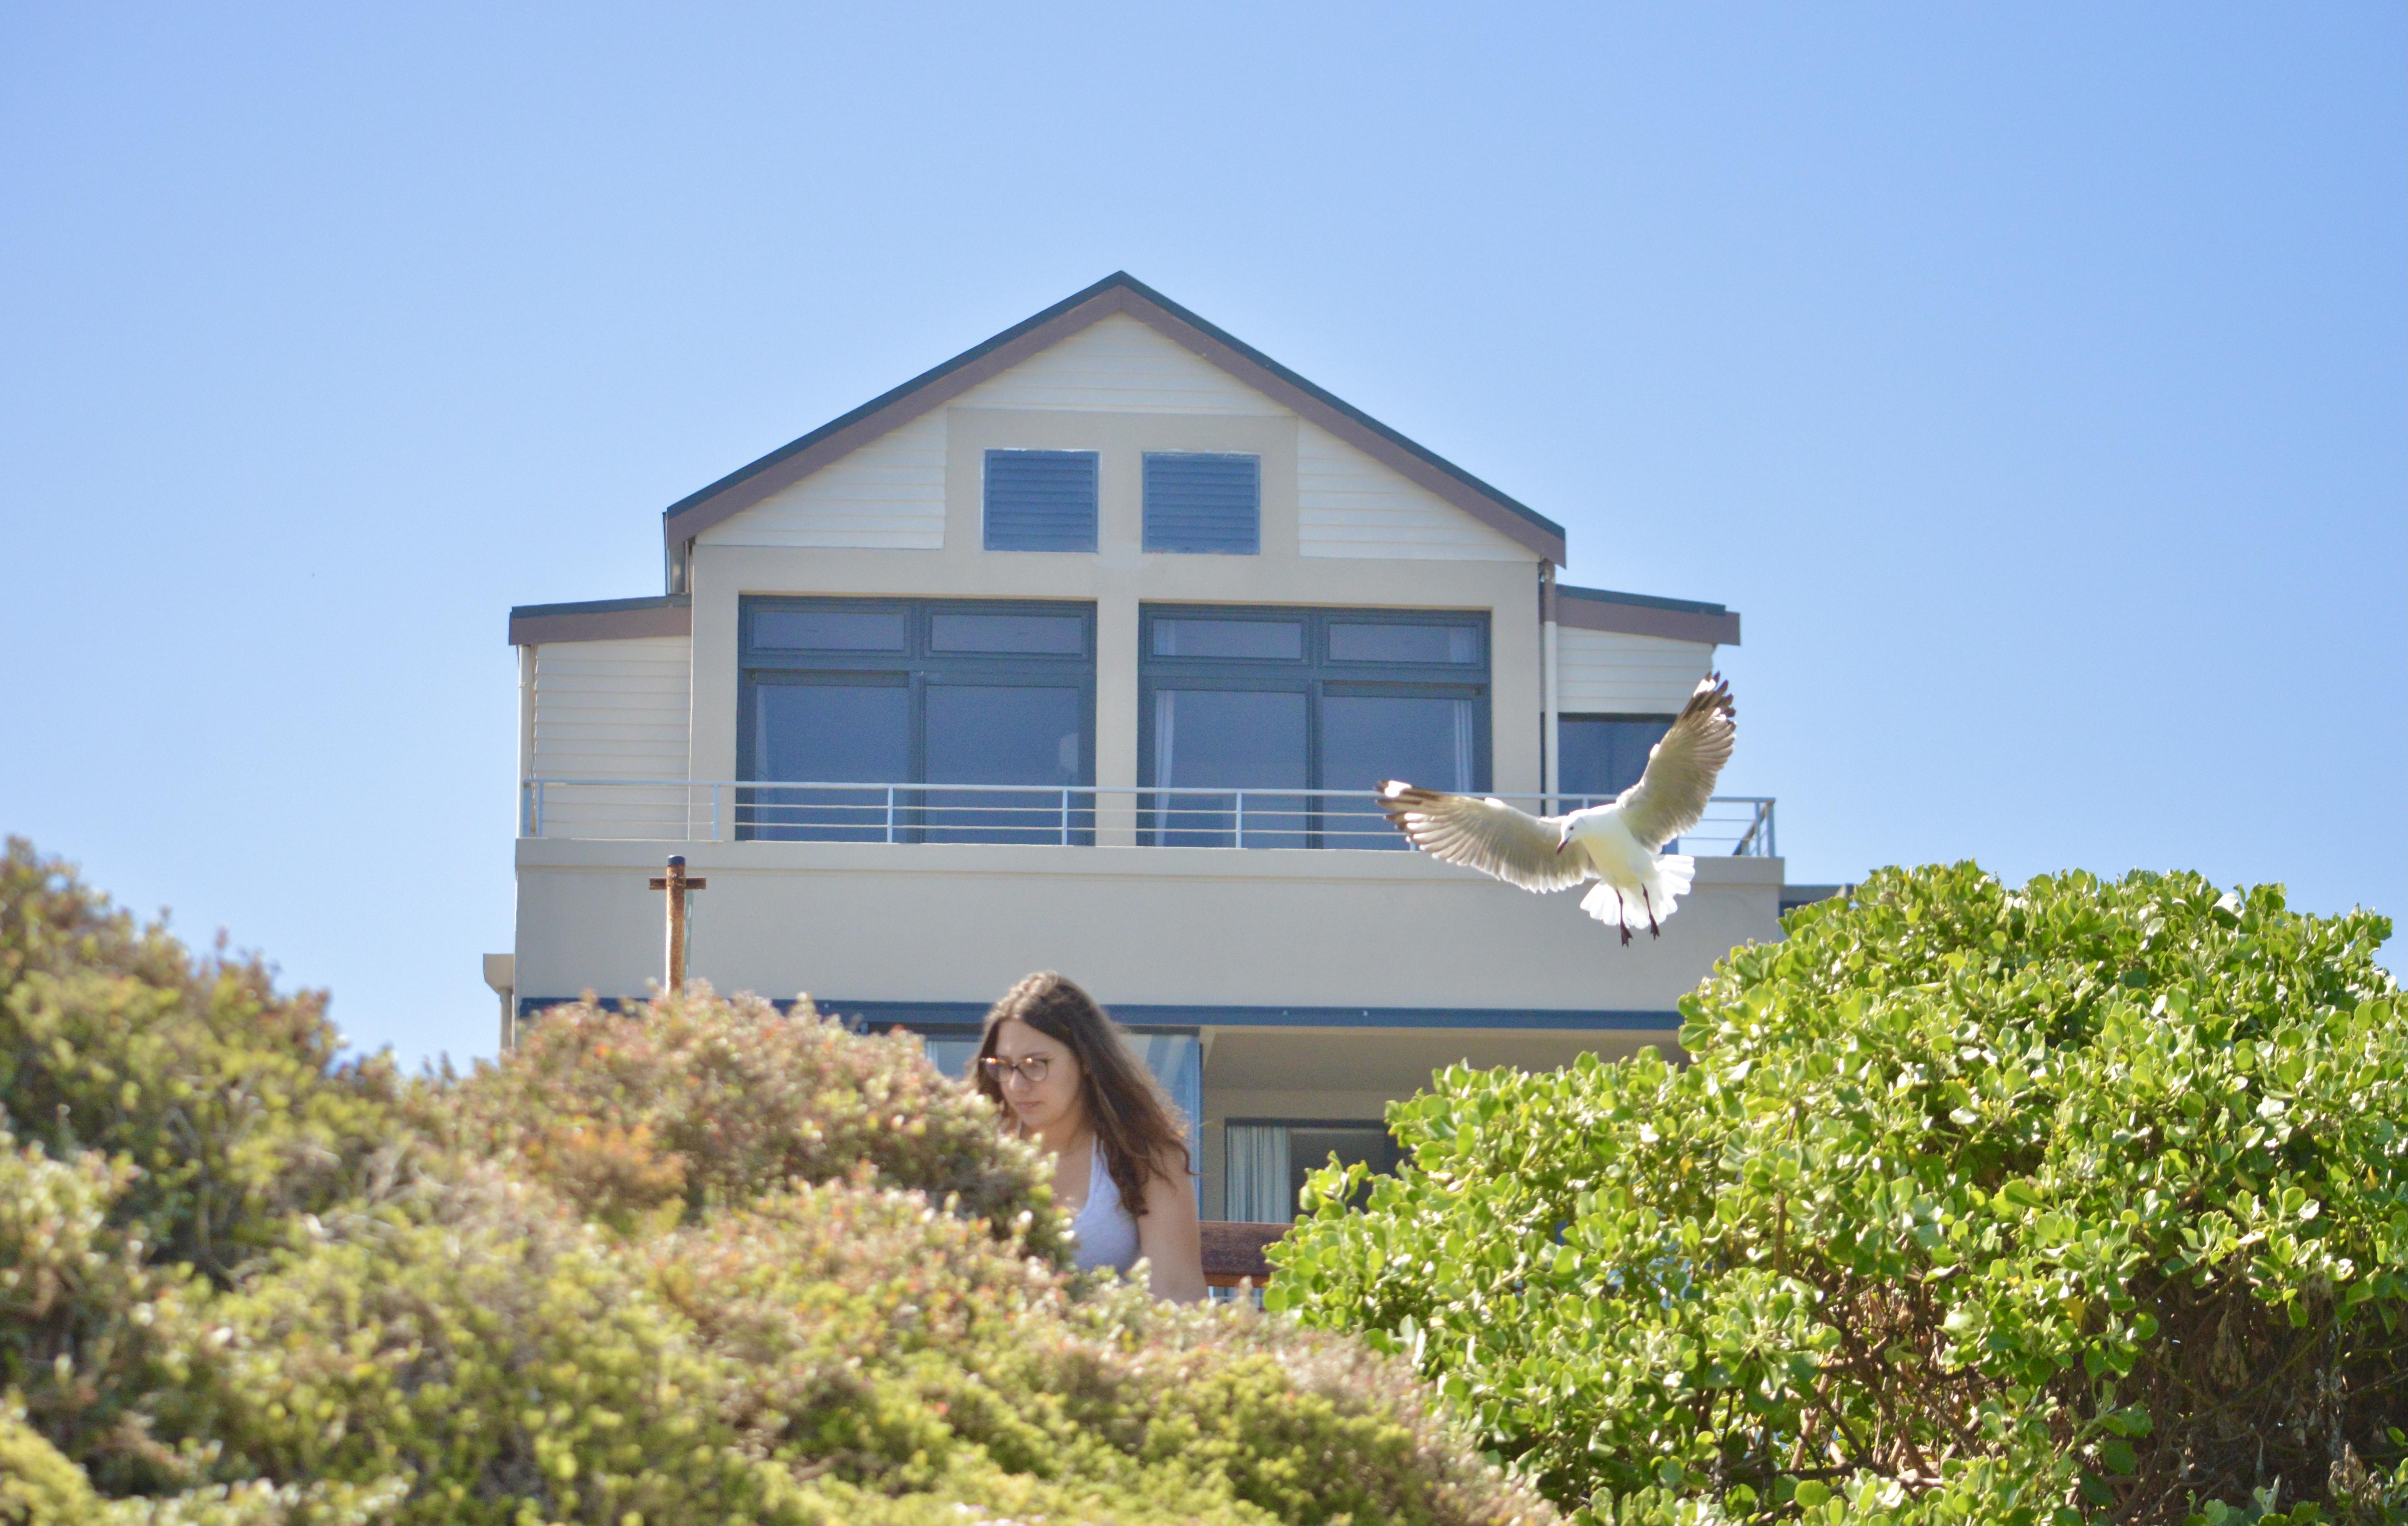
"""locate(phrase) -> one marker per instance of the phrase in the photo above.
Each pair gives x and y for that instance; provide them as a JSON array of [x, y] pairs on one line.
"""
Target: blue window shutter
[[1041, 500], [1204, 503]]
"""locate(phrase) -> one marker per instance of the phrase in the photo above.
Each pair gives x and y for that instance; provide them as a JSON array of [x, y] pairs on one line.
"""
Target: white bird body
[[1616, 844], [1636, 881]]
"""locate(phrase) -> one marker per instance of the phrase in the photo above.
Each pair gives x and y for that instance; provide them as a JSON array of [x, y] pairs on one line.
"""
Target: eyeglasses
[[1031, 1069]]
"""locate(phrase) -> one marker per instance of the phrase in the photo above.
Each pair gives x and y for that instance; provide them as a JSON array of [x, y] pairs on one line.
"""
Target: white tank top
[[1105, 1229]]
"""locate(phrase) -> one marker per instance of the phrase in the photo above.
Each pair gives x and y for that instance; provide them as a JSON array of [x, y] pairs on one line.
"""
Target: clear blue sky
[[2034, 379]]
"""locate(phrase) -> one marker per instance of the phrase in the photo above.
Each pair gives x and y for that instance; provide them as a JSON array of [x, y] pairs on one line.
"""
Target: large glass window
[[863, 694], [1272, 701], [1599, 756]]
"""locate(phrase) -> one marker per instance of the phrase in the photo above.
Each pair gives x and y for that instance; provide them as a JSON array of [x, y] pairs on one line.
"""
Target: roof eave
[[1118, 292]]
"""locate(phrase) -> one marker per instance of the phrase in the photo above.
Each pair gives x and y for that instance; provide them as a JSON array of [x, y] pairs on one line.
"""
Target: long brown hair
[[1134, 1122]]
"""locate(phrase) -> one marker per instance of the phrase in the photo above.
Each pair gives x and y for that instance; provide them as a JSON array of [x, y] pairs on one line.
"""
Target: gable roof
[[1119, 292]]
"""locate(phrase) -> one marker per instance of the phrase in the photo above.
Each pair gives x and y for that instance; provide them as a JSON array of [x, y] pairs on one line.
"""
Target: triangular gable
[[1118, 292]]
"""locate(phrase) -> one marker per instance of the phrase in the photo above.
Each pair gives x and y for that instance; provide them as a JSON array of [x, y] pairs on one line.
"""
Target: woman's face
[[1038, 1105]]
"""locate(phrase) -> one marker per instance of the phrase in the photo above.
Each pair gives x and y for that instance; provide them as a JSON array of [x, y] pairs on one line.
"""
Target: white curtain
[[1255, 1190], [1165, 733], [1462, 746]]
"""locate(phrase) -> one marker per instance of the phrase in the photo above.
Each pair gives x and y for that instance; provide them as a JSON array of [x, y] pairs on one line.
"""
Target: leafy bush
[[2079, 1202], [697, 1103], [701, 1263]]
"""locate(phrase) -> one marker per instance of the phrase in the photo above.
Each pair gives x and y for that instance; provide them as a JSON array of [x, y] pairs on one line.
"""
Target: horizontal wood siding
[[1349, 505], [613, 709], [1600, 672], [888, 494], [1119, 366]]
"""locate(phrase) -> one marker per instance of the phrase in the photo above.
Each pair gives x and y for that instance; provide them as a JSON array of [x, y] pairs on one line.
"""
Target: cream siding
[[1349, 505], [1603, 672], [1119, 366], [612, 709], [887, 495]]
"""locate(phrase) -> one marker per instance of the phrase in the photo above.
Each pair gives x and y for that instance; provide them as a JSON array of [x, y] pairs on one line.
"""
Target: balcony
[[1083, 815]]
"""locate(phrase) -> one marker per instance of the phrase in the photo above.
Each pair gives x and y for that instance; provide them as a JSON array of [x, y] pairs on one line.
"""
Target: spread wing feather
[[1671, 796], [1488, 835]]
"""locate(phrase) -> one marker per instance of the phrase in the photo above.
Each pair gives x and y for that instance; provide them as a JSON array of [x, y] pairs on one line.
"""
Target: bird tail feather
[[1668, 880]]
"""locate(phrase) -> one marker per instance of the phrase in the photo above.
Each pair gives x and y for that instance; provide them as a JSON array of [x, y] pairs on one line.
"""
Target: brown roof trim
[[1644, 615], [1117, 292], [602, 620]]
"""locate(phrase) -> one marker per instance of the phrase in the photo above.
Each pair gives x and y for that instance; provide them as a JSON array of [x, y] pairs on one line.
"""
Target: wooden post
[[677, 883]]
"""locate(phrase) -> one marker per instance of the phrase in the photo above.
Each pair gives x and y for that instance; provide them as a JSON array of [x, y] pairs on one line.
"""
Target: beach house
[[1082, 651]]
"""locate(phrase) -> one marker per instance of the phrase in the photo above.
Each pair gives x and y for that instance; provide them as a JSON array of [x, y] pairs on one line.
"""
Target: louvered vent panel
[[1204, 503], [1041, 500]]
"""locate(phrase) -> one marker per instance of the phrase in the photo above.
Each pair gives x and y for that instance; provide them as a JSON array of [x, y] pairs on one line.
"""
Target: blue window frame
[[1599, 756], [1204, 503], [1041, 500], [1274, 700], [877, 693]]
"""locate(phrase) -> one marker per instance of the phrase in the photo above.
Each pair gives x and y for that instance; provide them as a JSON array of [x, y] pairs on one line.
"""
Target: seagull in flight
[[1615, 844]]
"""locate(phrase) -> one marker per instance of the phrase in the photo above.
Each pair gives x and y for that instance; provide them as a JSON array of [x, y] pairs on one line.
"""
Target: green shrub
[[226, 1095], [697, 1263], [39, 1486], [2078, 1201], [693, 1102]]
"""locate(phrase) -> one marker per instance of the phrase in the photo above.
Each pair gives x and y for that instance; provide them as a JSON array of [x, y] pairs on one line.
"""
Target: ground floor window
[[1265, 1161], [879, 693]]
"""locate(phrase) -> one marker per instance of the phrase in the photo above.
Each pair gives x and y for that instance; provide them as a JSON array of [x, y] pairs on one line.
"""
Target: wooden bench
[[1233, 1253]]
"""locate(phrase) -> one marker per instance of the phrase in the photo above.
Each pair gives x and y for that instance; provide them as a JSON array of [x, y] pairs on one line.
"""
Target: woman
[[1056, 1069]]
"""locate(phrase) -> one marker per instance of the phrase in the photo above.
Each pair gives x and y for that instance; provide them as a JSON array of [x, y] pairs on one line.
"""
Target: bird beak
[[1564, 841]]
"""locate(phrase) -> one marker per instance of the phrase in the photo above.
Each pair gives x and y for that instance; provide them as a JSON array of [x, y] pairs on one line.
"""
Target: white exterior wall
[[1349, 505], [612, 709], [888, 494], [1207, 927], [1119, 366], [1604, 672]]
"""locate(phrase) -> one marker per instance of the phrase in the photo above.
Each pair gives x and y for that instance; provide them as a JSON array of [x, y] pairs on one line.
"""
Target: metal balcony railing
[[670, 810]]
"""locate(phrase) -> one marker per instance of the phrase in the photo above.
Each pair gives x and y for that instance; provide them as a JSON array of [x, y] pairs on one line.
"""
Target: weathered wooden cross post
[[677, 883]]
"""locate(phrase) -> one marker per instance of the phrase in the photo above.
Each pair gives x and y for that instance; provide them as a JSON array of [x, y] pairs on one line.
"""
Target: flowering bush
[[2077, 1202], [697, 1263], [695, 1103]]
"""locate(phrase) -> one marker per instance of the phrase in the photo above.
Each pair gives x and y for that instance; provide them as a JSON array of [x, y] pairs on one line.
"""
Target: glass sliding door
[[831, 733], [1253, 740], [1274, 699], [1006, 734], [1365, 737], [919, 693]]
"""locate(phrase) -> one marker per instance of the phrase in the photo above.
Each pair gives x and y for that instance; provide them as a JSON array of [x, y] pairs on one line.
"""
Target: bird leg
[[1619, 913], [1652, 931]]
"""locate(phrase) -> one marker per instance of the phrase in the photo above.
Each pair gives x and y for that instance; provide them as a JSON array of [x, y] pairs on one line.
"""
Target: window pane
[[1280, 639], [1203, 503], [1050, 635], [1308, 1150], [1229, 738], [840, 733], [1041, 500], [1599, 757], [952, 1056], [1364, 740], [989, 734], [830, 630], [1386, 642]]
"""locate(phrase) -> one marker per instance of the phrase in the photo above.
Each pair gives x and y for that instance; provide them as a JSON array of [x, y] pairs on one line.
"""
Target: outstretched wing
[[1671, 796], [1488, 835]]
